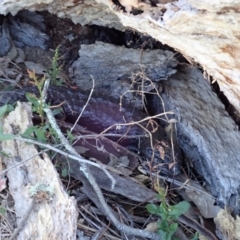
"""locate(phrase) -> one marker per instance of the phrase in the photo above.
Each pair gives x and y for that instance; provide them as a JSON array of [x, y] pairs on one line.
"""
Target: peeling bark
[[205, 31], [53, 214], [206, 133]]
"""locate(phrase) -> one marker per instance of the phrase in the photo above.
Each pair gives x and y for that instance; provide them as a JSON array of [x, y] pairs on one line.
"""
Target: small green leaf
[[5, 109], [171, 230], [179, 209], [4, 136], [29, 131], [64, 172], [2, 211], [32, 98], [10, 107], [196, 236], [163, 224], [59, 82], [52, 132], [40, 133], [4, 154], [56, 111], [152, 208], [162, 211], [162, 234], [70, 136]]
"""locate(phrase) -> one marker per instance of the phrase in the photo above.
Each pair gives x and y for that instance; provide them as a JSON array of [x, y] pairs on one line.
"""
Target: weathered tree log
[[208, 33], [205, 31], [206, 133], [43, 209], [97, 61]]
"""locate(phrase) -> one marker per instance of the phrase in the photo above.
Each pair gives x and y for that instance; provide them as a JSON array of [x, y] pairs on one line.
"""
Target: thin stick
[[94, 136], [68, 155], [89, 97], [137, 122]]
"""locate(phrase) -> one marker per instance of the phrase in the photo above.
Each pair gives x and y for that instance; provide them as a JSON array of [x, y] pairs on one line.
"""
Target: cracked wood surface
[[204, 31], [206, 133], [51, 217]]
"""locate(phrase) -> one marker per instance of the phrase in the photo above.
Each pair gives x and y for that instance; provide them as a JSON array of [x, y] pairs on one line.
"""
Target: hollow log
[[204, 31]]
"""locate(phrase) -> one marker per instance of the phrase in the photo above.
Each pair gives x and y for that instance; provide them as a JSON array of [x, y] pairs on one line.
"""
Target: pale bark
[[204, 31], [43, 208]]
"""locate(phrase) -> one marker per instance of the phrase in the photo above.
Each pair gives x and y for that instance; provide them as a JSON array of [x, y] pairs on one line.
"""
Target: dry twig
[[84, 168]]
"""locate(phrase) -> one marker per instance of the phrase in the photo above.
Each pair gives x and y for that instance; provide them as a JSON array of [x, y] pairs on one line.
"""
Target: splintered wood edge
[[54, 215]]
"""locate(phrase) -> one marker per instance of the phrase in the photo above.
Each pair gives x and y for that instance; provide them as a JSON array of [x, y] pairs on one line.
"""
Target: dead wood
[[123, 186], [53, 213], [206, 133], [108, 69], [204, 31], [96, 147]]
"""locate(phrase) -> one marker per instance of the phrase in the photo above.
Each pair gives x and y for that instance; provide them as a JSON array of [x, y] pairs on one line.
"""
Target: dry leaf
[[35, 67], [81, 149], [227, 226], [142, 178], [152, 227], [20, 56], [123, 161], [203, 200]]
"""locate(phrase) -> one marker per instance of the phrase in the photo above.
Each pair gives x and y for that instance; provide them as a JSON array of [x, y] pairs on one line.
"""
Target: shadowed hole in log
[[228, 106]]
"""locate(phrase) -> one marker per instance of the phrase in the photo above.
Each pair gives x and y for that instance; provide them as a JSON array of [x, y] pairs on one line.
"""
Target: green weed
[[3, 211], [5, 136], [169, 215], [55, 70], [42, 133], [37, 102], [5, 109]]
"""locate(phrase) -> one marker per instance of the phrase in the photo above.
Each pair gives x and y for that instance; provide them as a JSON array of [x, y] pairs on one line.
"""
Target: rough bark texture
[[123, 186], [115, 76], [206, 133], [205, 31], [54, 213]]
